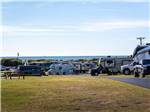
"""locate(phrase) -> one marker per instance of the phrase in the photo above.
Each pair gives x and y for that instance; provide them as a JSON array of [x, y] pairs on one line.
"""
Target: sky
[[72, 27]]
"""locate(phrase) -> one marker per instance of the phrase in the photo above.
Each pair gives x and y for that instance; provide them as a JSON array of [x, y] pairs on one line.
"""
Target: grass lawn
[[72, 94]]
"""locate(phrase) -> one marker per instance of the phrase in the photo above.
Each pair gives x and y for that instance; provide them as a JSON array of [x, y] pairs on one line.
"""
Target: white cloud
[[101, 26], [28, 29], [89, 27], [93, 1]]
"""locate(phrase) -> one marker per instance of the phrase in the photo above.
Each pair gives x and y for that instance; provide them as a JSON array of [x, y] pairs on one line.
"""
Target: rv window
[[109, 61], [146, 62], [135, 63], [60, 68]]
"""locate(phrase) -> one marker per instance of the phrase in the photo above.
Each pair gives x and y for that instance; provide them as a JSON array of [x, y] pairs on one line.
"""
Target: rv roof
[[138, 48]]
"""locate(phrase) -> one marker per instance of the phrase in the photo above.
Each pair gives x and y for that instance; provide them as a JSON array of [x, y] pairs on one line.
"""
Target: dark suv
[[30, 70]]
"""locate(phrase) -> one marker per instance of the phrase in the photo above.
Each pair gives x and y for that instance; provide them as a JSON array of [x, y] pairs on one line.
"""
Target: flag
[[17, 54], [99, 61]]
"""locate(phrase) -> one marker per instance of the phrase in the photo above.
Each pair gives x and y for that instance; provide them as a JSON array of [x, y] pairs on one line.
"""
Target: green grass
[[72, 94]]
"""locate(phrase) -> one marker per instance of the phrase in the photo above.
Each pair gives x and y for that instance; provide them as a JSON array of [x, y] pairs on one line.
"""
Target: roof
[[141, 49]]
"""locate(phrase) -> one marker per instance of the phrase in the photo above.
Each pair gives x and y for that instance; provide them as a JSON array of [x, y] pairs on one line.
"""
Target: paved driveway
[[135, 81]]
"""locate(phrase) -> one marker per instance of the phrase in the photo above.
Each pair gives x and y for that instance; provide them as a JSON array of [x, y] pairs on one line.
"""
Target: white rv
[[112, 65], [60, 69], [141, 52], [141, 56], [87, 66]]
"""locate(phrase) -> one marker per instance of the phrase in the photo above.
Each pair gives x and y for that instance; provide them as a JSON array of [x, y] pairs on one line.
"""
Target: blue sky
[[73, 27]]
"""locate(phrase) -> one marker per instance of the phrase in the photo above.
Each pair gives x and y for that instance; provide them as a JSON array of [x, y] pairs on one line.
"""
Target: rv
[[60, 69], [31, 70], [87, 66], [141, 52], [44, 65], [83, 67], [111, 65], [141, 59]]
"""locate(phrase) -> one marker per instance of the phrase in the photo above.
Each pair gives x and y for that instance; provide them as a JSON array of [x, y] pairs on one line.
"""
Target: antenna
[[141, 40]]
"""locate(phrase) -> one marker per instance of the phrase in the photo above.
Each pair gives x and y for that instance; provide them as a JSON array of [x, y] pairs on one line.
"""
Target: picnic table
[[10, 74]]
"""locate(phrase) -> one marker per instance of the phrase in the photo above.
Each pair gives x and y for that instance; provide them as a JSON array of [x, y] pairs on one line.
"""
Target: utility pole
[[141, 40]]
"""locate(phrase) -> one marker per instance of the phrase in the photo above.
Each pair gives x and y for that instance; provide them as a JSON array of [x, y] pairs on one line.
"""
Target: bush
[[11, 62]]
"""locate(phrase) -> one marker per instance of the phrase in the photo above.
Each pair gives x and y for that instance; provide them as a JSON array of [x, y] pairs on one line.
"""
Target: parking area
[[143, 82]]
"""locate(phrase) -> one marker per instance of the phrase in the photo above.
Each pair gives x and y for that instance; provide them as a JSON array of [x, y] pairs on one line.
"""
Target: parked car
[[30, 70], [128, 69]]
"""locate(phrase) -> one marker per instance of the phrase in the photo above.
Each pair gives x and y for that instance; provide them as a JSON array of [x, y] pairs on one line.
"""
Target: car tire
[[126, 72], [64, 73], [57, 73]]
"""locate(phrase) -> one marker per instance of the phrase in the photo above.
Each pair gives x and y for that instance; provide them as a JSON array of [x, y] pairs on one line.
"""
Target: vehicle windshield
[[146, 62]]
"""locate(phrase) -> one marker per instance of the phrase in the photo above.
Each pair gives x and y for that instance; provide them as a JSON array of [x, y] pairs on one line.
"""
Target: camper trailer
[[87, 66], [60, 69], [112, 65]]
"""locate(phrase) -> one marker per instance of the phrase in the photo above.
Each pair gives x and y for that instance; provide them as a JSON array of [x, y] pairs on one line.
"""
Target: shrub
[[10, 62]]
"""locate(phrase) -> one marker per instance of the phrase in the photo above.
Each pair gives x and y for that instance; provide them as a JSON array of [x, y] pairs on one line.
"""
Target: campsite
[[77, 85], [73, 94], [75, 56]]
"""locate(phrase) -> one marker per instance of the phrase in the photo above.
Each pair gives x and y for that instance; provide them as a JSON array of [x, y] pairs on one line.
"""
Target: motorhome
[[141, 56], [141, 52], [60, 69]]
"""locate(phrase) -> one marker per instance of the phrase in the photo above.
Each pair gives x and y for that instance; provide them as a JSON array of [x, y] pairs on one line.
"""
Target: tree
[[10, 62]]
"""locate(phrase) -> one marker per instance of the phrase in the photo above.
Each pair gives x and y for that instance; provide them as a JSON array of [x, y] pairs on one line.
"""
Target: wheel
[[126, 72], [64, 73], [57, 73], [93, 73], [143, 75], [137, 75]]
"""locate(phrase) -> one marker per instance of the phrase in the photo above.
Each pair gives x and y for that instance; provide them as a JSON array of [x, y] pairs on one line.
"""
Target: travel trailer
[[80, 67], [60, 69], [87, 66], [112, 65]]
